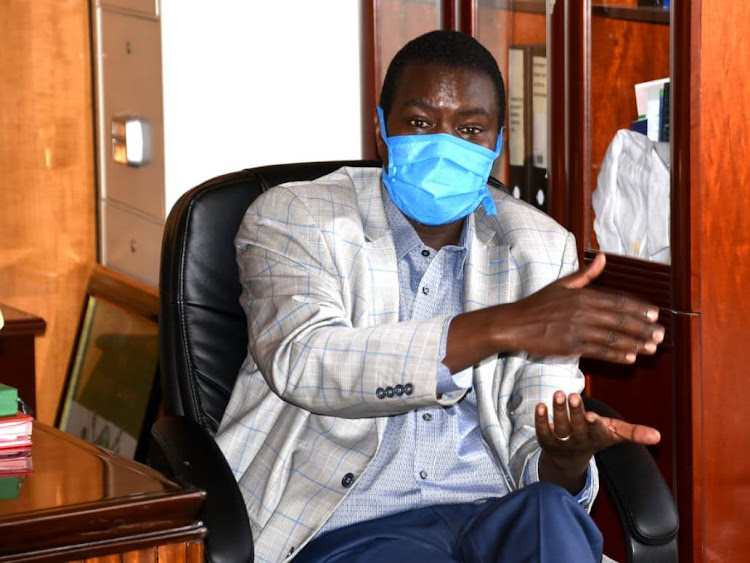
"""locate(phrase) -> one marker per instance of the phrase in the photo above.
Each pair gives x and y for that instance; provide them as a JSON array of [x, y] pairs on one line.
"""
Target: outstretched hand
[[574, 435], [567, 318]]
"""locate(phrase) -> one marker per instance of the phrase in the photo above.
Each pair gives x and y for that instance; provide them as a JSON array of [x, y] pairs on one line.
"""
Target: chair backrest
[[202, 328]]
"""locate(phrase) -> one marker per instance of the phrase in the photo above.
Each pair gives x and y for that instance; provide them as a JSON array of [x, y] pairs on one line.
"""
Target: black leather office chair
[[203, 342]]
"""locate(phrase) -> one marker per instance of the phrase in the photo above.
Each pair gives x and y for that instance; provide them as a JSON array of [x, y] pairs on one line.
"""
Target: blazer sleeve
[[536, 380], [301, 334]]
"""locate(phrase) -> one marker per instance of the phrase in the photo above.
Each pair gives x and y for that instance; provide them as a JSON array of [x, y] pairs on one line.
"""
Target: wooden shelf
[[646, 14], [630, 12], [527, 6]]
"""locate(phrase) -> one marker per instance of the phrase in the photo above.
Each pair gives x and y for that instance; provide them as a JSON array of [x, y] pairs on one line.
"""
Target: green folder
[[8, 400]]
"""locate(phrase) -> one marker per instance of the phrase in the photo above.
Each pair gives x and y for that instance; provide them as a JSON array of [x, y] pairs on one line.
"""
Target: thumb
[[585, 275]]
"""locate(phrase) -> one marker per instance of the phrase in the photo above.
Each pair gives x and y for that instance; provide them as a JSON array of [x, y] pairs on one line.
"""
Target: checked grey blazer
[[320, 290]]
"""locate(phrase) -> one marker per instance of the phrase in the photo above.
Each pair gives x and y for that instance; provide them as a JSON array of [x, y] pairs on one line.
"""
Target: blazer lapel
[[382, 261], [487, 284]]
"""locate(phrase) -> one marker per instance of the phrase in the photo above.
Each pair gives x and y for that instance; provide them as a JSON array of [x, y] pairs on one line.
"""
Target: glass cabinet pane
[[516, 34], [629, 61], [400, 21]]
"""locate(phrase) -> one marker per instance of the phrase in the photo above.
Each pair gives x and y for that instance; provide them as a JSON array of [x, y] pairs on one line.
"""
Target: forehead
[[444, 85]]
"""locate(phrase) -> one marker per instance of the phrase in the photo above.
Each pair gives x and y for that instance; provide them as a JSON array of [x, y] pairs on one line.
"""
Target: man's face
[[434, 98]]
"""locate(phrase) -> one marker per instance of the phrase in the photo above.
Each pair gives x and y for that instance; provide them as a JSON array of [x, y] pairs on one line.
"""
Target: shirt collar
[[406, 239]]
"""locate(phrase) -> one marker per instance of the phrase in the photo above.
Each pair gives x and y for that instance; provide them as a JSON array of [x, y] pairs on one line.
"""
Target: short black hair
[[450, 48]]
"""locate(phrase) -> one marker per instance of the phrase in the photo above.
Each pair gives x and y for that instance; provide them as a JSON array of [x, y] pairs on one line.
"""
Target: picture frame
[[111, 395]]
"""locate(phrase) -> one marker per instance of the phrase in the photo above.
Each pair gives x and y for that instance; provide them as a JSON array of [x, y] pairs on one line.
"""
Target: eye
[[418, 123], [470, 130]]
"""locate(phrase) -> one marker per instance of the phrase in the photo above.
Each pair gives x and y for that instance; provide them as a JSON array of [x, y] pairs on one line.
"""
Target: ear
[[380, 145]]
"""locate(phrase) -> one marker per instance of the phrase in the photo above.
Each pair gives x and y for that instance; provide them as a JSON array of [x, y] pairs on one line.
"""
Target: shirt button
[[290, 552], [380, 392], [408, 388], [398, 390], [389, 392], [425, 290], [347, 480], [425, 253], [423, 474], [427, 417]]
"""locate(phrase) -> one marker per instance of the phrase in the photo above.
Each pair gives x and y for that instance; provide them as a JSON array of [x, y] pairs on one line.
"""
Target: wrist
[[502, 330], [569, 473]]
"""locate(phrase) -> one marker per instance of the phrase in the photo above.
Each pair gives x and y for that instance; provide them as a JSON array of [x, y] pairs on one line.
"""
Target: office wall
[[249, 83]]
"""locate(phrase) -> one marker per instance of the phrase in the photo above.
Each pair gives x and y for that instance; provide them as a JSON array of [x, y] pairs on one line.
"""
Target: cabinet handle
[[131, 140]]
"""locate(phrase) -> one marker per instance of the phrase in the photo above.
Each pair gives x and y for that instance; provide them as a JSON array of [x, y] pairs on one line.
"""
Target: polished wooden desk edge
[[110, 525], [123, 544], [101, 452], [19, 322]]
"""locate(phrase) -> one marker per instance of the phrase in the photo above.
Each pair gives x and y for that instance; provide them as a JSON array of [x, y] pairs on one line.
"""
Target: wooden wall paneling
[[369, 63], [557, 171], [578, 120], [721, 180], [686, 213], [47, 212]]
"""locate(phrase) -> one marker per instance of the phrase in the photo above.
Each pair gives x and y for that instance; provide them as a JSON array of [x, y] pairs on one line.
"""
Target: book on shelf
[[649, 100], [664, 114], [527, 93], [15, 431]]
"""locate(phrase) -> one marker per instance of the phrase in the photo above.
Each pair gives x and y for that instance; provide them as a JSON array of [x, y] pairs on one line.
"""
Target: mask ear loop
[[487, 202], [499, 145], [384, 136]]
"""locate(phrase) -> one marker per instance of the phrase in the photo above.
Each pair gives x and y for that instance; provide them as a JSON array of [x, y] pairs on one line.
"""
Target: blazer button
[[398, 390], [408, 388], [380, 393], [347, 481], [389, 392]]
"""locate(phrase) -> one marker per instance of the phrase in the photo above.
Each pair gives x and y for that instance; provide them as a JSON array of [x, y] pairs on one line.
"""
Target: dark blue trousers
[[540, 523]]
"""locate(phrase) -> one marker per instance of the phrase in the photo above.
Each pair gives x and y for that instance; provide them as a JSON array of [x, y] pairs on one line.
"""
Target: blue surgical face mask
[[437, 178]]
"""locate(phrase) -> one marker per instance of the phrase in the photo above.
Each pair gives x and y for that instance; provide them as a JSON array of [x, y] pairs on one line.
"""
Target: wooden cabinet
[[17, 352], [693, 390]]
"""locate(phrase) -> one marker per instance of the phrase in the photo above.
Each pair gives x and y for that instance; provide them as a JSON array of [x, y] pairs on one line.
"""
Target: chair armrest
[[641, 496], [185, 452]]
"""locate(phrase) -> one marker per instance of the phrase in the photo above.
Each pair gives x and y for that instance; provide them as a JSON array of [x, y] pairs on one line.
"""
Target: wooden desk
[[84, 504], [17, 366]]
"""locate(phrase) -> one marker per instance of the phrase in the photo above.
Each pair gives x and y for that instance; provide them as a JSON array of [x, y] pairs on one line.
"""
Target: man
[[409, 330]]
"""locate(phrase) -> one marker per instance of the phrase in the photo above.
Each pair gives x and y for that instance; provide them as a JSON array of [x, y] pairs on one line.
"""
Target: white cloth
[[631, 200]]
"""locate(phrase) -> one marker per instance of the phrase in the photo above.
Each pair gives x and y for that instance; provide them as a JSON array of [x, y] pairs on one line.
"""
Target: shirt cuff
[[447, 383], [584, 497]]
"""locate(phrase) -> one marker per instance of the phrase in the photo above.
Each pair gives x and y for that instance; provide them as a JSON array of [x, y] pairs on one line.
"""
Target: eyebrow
[[429, 107]]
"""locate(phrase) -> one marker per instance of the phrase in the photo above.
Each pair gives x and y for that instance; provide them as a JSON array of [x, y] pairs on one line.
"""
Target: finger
[[637, 433], [600, 432], [585, 275], [560, 418], [612, 345], [634, 323], [617, 306], [578, 426], [541, 422]]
